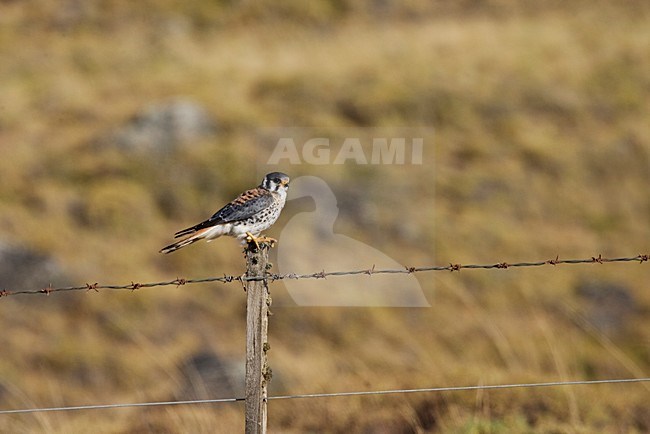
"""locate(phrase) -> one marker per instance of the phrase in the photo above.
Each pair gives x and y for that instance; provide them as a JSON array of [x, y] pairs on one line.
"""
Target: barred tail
[[173, 247], [186, 231], [186, 242]]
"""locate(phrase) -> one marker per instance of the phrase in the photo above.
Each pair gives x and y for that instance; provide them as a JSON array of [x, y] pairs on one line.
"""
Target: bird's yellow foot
[[265, 239], [250, 238]]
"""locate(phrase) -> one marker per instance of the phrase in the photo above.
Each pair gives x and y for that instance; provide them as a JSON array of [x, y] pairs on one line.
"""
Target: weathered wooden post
[[258, 373]]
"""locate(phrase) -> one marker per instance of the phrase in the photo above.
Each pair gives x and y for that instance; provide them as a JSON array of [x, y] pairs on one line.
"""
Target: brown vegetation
[[542, 148]]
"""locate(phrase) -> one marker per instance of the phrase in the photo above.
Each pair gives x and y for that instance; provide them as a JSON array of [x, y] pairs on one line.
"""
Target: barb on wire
[[339, 394], [372, 271], [131, 286]]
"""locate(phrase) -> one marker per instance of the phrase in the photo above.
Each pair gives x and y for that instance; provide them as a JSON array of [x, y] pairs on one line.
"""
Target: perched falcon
[[244, 218]]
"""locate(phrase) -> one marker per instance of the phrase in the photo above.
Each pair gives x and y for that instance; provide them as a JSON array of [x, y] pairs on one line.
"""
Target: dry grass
[[542, 148]]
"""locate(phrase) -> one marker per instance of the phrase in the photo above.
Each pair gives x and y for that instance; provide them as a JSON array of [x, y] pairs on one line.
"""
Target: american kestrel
[[244, 218]]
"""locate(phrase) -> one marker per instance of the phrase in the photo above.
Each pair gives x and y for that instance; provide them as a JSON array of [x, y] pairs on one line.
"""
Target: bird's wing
[[246, 205]]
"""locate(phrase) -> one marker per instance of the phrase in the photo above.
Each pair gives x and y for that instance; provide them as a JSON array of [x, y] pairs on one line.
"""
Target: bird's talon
[[250, 238], [268, 240]]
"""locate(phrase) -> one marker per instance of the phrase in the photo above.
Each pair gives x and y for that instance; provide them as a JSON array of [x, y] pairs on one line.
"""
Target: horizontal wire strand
[[124, 405], [332, 395], [323, 274], [465, 388]]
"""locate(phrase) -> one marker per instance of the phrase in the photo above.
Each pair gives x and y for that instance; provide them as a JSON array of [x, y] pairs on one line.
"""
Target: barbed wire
[[272, 277], [332, 395]]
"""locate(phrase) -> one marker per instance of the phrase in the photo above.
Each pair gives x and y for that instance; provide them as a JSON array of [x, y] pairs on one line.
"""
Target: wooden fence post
[[258, 373]]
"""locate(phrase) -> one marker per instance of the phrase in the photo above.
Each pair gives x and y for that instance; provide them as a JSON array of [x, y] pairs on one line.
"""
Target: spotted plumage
[[247, 216]]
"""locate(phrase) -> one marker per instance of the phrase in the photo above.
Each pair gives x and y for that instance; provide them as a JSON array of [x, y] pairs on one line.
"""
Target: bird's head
[[276, 181]]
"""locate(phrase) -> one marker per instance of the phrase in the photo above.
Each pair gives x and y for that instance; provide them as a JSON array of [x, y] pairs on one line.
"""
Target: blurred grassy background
[[542, 146]]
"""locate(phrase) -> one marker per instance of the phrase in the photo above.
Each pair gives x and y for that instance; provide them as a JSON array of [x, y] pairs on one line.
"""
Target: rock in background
[[163, 127]]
